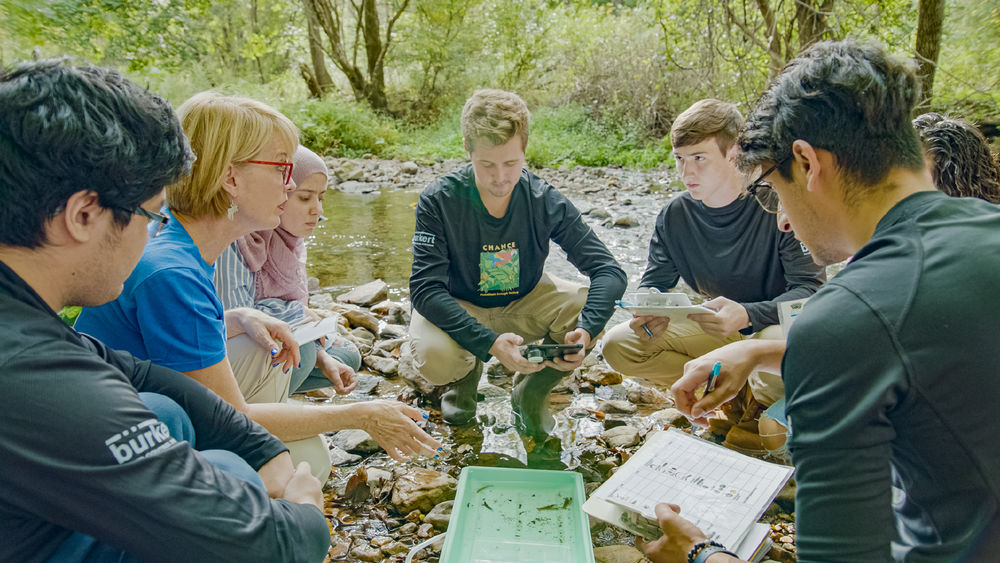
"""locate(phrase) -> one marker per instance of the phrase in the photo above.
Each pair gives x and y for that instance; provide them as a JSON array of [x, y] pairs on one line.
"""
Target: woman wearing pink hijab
[[266, 270]]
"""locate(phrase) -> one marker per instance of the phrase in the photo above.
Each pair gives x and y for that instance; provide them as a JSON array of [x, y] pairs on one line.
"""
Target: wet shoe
[[744, 441], [458, 402], [530, 401]]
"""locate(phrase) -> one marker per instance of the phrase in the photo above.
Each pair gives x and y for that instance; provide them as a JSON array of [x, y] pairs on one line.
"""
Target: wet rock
[[616, 406], [599, 213], [387, 366], [363, 336], [378, 477], [394, 548], [490, 391], [355, 440], [392, 331], [379, 541], [626, 222], [669, 417], [340, 457], [618, 554], [422, 489], [410, 168], [348, 170], [358, 317], [407, 529], [425, 531], [610, 423], [321, 300], [607, 465], [365, 552], [389, 345], [367, 384], [312, 284], [366, 295], [642, 395], [601, 376], [409, 374], [497, 370], [354, 187], [620, 437], [439, 515]]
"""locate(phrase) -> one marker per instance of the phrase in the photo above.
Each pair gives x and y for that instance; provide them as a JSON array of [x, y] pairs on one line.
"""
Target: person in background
[[169, 311], [478, 284], [958, 157], [266, 270], [872, 361], [98, 448]]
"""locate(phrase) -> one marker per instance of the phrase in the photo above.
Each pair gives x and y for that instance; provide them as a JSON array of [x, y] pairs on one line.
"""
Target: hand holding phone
[[539, 353]]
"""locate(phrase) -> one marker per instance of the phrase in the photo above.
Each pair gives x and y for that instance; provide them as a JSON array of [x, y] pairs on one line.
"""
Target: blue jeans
[[309, 377], [80, 548]]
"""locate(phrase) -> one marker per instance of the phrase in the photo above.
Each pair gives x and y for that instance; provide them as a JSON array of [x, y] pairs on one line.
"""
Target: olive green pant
[[549, 311], [260, 382]]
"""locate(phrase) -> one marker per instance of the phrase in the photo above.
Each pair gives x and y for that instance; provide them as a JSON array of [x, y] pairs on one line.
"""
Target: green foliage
[[340, 128]]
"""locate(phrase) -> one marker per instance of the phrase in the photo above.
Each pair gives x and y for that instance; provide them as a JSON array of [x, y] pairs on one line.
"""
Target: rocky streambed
[[379, 508]]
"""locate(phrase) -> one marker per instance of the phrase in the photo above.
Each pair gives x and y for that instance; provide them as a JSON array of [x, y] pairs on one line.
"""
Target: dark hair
[[851, 98], [963, 165], [64, 129]]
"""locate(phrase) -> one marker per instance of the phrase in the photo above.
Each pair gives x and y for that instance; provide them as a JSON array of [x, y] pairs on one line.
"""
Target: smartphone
[[538, 353]]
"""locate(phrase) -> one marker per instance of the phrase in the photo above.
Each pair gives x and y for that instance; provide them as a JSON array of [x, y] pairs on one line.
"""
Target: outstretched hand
[[391, 424]]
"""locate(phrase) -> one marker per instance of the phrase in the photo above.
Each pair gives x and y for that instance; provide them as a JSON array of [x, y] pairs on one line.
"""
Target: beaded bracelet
[[702, 550]]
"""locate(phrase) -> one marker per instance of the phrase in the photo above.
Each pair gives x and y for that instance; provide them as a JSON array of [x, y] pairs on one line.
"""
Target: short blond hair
[[222, 130], [495, 116], [707, 119]]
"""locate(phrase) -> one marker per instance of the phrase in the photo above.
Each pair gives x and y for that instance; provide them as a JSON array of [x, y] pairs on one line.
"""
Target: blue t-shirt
[[168, 312]]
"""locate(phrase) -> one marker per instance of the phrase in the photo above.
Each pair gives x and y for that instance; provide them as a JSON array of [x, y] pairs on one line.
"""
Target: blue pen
[[710, 386]]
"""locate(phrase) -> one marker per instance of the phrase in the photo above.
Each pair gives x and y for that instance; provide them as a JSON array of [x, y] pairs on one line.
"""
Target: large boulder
[[354, 440], [366, 295], [439, 515], [422, 489]]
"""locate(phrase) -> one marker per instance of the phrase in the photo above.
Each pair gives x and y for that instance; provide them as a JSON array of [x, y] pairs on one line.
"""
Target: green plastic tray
[[518, 515]]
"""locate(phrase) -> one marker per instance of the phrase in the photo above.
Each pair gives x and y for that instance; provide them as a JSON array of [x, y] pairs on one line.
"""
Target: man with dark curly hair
[[886, 362], [97, 448]]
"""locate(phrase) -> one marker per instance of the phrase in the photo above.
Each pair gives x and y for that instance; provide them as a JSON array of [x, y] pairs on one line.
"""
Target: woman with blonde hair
[[169, 311]]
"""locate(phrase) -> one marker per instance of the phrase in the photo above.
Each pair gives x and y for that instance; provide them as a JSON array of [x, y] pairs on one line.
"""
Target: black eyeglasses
[[151, 215], [763, 191]]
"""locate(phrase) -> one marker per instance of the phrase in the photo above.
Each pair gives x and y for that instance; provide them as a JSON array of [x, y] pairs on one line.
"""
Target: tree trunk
[[930, 19], [812, 21], [322, 82]]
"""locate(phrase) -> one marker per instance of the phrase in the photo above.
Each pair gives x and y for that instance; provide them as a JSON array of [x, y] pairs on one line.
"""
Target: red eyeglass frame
[[286, 174]]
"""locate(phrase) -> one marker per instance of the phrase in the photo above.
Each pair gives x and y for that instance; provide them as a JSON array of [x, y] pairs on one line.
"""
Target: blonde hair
[[707, 119], [222, 130], [495, 116]]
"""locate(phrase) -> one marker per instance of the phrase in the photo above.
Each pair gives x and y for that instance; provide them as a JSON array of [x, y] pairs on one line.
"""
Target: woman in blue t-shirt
[[169, 311]]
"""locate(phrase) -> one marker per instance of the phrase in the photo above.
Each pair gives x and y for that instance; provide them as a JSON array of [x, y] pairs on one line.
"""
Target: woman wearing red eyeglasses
[[169, 311]]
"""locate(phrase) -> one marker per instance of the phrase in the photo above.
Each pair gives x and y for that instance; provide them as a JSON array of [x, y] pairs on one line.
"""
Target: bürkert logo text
[[140, 440], [424, 238]]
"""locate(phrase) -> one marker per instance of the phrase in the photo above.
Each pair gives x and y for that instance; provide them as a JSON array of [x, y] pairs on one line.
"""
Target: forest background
[[604, 79]]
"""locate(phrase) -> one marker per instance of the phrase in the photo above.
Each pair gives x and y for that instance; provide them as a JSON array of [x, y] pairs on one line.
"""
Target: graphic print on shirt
[[499, 270], [139, 441]]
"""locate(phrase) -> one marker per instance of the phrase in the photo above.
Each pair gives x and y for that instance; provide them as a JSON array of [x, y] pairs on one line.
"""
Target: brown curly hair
[[963, 165]]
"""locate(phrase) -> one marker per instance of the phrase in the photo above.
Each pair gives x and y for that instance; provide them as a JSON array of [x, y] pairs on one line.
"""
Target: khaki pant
[[549, 311], [261, 383], [662, 359]]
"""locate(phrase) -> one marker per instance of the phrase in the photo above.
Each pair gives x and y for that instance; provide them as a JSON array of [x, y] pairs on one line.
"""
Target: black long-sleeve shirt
[[735, 251], [891, 375], [461, 251], [80, 452]]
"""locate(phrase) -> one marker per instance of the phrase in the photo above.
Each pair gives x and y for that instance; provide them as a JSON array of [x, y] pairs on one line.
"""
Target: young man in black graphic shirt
[[478, 286]]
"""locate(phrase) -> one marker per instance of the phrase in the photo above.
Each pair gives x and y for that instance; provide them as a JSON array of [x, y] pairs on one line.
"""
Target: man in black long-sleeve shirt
[[89, 472], [478, 287], [725, 247]]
